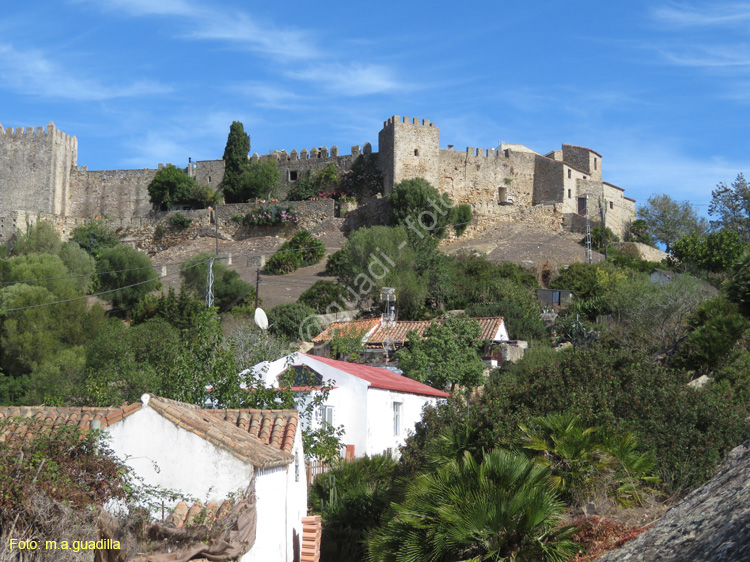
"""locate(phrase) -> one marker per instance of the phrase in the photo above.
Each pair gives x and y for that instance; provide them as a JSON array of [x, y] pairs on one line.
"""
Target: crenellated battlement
[[315, 153], [397, 120]]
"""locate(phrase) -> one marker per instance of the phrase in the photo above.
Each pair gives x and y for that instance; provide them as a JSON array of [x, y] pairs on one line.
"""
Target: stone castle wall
[[39, 173]]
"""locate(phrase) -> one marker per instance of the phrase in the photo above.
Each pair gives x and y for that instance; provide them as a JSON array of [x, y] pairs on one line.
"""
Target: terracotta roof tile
[[26, 422], [276, 428], [397, 334], [355, 326]]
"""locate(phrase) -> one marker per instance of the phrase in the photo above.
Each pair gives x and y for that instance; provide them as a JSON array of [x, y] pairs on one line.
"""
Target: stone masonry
[[39, 174]]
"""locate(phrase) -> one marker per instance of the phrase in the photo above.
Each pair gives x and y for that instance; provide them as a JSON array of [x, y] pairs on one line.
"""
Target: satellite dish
[[261, 320]]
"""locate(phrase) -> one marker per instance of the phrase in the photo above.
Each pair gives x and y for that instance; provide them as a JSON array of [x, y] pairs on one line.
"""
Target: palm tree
[[502, 509]]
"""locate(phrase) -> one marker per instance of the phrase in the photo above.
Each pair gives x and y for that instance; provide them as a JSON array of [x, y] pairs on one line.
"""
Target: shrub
[[364, 178], [178, 220], [128, 274], [302, 250], [286, 320], [461, 218], [321, 295], [94, 236], [271, 216]]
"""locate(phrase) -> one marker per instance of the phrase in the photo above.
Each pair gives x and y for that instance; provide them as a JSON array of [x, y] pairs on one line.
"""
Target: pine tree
[[236, 163]]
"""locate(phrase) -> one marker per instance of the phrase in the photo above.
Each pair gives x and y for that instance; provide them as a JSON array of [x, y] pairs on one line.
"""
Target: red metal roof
[[381, 378]]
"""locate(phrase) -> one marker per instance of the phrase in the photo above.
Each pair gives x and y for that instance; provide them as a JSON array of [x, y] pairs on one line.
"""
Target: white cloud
[[712, 14], [34, 72], [355, 79], [736, 56]]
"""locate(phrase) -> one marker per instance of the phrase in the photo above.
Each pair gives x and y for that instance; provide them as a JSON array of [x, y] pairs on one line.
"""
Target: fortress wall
[[476, 177], [295, 165], [208, 172], [34, 168], [548, 180], [114, 193], [312, 212]]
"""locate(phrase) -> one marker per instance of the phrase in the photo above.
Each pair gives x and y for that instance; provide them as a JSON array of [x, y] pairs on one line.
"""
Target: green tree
[[236, 163], [169, 186], [79, 263], [40, 238], [446, 356], [228, 288], [180, 310], [289, 319], [501, 508], [262, 180], [714, 252], [738, 289], [127, 275], [731, 204], [420, 207], [669, 220], [321, 295], [94, 236]]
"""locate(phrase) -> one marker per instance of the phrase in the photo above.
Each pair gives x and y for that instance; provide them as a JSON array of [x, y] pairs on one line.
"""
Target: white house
[[376, 407], [209, 455]]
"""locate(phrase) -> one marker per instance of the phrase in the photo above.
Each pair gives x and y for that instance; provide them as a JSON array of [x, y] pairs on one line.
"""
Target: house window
[[325, 414], [570, 174], [397, 418], [581, 205], [292, 175], [611, 206]]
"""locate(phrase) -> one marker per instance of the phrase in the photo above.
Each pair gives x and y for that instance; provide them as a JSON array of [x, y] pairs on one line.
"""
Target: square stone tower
[[409, 148]]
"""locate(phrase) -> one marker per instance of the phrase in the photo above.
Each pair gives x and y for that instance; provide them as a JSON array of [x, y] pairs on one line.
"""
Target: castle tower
[[583, 159], [35, 167], [409, 148]]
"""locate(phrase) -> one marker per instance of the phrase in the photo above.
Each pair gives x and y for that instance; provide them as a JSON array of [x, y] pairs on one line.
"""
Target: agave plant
[[502, 509]]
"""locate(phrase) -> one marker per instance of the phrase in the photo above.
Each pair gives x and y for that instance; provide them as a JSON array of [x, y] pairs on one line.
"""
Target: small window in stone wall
[[594, 163], [416, 152], [292, 175], [570, 174], [611, 206], [569, 194], [209, 179]]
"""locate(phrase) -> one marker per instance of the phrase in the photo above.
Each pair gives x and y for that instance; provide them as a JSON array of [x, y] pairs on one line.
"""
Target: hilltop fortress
[[39, 173]]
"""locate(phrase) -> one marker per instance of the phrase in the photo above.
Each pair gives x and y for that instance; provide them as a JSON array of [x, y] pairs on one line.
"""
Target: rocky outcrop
[[712, 524]]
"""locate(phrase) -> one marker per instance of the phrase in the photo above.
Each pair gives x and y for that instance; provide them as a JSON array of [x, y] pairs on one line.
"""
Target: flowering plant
[[271, 216]]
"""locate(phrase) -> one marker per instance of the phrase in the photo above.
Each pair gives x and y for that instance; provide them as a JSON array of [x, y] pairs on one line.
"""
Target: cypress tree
[[236, 163]]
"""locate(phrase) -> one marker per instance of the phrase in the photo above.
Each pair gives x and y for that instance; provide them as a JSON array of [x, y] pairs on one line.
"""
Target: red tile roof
[[264, 438], [397, 334], [26, 422], [276, 428], [353, 326], [381, 378]]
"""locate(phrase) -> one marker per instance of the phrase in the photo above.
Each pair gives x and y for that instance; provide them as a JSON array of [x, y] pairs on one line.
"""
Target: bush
[[417, 203], [462, 218], [94, 237], [128, 274], [321, 295], [178, 220], [302, 250], [271, 216], [364, 178], [286, 320]]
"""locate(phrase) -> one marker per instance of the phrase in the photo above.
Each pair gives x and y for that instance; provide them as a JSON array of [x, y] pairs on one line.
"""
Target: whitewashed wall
[[380, 426], [166, 455]]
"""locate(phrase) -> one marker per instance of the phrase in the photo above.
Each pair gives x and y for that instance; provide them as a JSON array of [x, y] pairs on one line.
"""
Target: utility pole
[[603, 211], [210, 284], [588, 232], [216, 230]]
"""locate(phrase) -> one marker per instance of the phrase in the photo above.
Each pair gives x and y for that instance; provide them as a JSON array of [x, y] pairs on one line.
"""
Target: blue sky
[[660, 89]]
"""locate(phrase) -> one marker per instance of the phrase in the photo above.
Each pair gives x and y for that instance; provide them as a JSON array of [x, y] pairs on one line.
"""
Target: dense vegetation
[[598, 410]]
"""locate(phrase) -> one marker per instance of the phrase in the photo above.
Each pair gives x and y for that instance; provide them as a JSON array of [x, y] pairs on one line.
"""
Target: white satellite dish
[[261, 320]]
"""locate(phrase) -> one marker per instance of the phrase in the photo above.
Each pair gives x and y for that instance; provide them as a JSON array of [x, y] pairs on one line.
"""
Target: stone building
[[39, 173]]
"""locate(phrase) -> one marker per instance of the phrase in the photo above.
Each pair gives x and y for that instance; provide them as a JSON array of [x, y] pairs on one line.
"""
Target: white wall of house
[[166, 455], [384, 431]]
